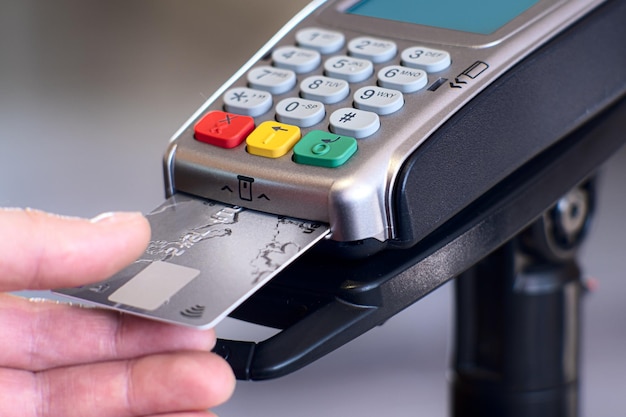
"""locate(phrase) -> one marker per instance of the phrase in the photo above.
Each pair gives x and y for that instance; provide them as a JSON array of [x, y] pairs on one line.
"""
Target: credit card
[[205, 259]]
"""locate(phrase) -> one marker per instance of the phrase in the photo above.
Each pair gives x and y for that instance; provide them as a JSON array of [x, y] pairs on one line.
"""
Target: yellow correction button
[[272, 139]]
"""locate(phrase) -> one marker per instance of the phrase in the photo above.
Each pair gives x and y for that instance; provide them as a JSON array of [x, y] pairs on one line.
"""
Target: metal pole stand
[[518, 321]]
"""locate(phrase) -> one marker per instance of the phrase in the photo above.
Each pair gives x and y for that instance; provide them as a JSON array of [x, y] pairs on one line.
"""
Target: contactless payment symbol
[[223, 129]]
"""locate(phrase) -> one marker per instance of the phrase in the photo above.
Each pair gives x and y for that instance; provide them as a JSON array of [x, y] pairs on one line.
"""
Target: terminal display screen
[[482, 16]]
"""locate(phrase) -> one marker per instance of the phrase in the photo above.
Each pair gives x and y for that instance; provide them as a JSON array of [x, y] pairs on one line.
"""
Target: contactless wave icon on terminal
[[194, 312]]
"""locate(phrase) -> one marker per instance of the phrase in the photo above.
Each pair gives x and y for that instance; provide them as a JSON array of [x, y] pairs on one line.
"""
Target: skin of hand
[[62, 361]]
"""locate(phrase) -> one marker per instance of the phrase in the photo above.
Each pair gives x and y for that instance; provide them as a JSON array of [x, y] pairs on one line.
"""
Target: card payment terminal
[[408, 135]]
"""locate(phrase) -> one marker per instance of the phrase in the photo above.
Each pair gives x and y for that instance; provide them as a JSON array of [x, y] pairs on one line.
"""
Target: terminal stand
[[518, 325], [517, 337]]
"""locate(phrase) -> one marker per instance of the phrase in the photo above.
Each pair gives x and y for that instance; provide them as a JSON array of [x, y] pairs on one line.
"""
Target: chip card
[[205, 258]]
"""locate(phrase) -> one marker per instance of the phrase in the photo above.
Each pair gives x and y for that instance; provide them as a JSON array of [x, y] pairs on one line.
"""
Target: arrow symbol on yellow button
[[269, 138]]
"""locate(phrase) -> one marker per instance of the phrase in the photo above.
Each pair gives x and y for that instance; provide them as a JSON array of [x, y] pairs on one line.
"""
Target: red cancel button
[[222, 129]]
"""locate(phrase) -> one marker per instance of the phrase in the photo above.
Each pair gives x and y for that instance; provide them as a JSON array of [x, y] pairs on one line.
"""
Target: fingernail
[[117, 217]]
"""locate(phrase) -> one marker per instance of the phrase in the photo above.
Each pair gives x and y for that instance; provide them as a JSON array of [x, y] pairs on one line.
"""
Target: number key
[[348, 68], [296, 59], [322, 40], [300, 112], [378, 100], [272, 80], [325, 89], [430, 60], [407, 80], [376, 50]]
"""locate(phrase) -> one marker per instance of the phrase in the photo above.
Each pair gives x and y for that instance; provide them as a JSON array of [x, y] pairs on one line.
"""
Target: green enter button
[[324, 149]]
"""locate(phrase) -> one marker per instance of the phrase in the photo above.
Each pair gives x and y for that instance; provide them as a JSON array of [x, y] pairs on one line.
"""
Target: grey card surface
[[205, 258]]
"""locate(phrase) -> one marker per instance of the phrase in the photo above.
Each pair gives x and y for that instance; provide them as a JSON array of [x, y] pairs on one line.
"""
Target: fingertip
[[229, 381], [118, 217], [105, 244], [51, 251], [186, 381], [133, 220], [133, 225], [219, 380], [214, 378]]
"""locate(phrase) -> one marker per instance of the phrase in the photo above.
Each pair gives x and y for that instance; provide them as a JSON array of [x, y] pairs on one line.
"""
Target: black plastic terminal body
[[506, 158]]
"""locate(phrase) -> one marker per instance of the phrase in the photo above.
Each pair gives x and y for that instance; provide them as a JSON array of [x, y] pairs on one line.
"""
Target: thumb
[[43, 251]]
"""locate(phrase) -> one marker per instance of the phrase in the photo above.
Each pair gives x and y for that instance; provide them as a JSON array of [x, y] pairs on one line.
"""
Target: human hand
[[63, 361]]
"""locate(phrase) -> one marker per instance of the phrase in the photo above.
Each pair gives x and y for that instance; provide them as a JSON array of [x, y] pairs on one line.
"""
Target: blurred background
[[90, 93]]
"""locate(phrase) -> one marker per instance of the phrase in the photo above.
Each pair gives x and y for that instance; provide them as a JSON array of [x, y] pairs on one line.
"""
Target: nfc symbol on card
[[194, 312]]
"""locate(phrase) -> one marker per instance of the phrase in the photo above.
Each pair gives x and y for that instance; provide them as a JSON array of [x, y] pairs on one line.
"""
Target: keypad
[[306, 96]]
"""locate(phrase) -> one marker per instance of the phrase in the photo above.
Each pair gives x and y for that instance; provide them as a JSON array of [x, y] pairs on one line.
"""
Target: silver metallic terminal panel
[[318, 124]]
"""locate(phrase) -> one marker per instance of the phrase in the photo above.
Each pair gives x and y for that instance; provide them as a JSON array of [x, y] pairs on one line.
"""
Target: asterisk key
[[239, 96]]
